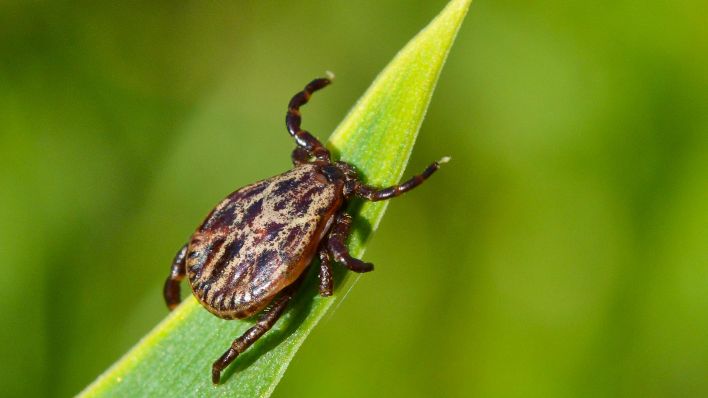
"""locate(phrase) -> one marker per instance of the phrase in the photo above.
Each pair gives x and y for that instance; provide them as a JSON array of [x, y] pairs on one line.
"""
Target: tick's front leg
[[375, 194], [177, 272], [336, 242], [293, 119]]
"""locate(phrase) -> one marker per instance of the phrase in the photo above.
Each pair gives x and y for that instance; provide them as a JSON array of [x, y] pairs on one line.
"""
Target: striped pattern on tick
[[257, 240]]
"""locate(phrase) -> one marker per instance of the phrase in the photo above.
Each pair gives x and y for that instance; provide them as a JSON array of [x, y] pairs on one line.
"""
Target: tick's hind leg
[[336, 242], [375, 194], [293, 119], [266, 321], [177, 272]]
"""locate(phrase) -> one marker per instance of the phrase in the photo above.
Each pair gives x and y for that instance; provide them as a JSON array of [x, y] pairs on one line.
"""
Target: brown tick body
[[253, 248]]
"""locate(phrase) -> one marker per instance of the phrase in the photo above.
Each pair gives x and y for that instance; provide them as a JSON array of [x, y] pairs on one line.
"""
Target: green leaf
[[377, 136]]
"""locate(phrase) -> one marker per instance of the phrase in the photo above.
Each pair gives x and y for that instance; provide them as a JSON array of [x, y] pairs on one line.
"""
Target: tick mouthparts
[[444, 160]]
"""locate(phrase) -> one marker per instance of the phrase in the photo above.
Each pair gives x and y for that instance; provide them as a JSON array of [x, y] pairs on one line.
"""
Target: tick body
[[252, 250]]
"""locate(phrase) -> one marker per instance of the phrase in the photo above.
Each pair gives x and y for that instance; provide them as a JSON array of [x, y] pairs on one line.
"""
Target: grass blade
[[377, 136]]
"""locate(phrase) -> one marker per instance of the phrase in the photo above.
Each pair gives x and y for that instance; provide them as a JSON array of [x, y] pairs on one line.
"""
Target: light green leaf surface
[[377, 136]]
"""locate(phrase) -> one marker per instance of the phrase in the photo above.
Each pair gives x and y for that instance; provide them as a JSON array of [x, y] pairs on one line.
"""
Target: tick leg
[[375, 194], [265, 322], [325, 274], [300, 156], [336, 244], [292, 120], [177, 272]]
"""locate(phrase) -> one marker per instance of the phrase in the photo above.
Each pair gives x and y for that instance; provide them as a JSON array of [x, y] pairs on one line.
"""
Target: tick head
[[341, 172], [332, 172], [348, 171]]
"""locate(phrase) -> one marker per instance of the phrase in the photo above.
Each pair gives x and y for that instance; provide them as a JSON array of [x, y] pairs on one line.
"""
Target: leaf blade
[[377, 136]]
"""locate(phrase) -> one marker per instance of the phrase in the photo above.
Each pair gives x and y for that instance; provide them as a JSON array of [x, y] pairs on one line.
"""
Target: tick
[[252, 250]]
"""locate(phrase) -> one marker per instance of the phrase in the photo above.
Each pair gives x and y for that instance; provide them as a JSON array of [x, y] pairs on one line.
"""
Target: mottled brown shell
[[259, 240]]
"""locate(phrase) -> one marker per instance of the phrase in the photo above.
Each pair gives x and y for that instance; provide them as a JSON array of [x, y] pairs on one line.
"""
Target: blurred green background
[[563, 252]]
